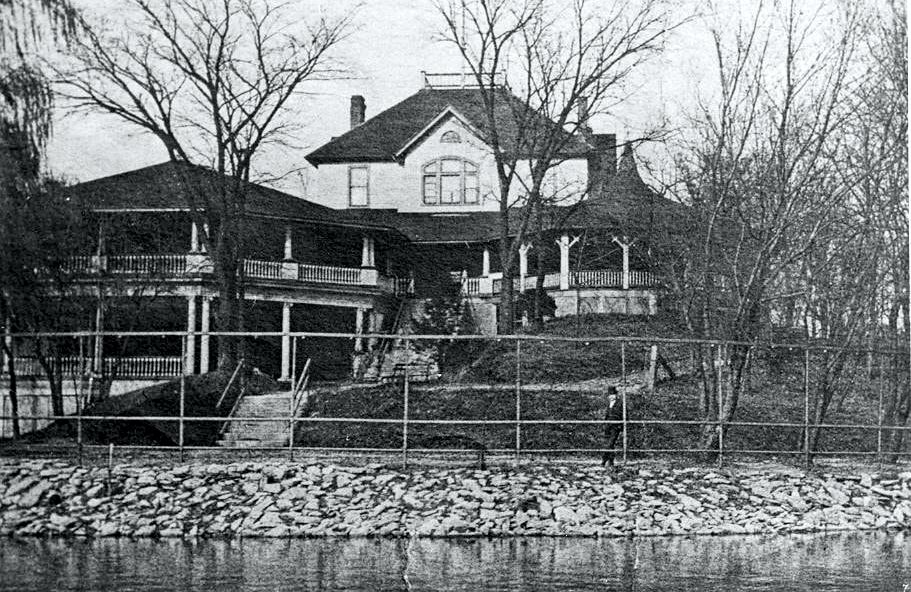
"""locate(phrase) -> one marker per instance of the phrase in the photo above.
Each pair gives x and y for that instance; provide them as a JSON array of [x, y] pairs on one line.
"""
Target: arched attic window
[[450, 137], [450, 181]]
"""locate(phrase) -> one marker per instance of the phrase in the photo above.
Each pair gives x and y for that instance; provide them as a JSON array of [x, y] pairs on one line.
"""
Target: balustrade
[[270, 270], [126, 367], [327, 274], [147, 264]]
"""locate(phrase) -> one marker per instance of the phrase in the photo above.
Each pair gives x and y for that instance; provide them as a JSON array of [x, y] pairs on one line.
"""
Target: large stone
[[31, 497], [564, 514]]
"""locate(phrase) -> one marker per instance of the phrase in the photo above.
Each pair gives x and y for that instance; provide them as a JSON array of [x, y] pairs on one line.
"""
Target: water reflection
[[860, 561]]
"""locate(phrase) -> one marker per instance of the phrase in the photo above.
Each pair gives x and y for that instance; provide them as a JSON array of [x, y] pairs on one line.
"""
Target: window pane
[[451, 165], [431, 168], [470, 168], [450, 189], [358, 176], [471, 188], [359, 196], [430, 189]]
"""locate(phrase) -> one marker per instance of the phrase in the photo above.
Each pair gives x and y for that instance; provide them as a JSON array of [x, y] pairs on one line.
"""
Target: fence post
[[720, 378], [518, 398], [405, 424], [623, 395], [879, 428], [183, 389], [806, 408], [79, 424]]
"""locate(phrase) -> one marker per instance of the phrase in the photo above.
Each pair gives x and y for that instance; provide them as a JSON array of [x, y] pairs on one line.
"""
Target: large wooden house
[[398, 201]]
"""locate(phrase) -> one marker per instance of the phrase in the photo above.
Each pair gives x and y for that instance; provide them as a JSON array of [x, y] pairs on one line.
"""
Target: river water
[[857, 561]]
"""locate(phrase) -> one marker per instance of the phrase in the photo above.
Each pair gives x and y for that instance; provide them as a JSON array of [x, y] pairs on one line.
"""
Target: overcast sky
[[395, 41]]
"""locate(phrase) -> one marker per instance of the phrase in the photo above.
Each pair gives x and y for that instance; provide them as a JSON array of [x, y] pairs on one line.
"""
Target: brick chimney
[[358, 109], [602, 161]]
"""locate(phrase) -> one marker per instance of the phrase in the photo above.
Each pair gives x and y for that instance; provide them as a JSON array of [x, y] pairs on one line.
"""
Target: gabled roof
[[165, 187], [382, 137]]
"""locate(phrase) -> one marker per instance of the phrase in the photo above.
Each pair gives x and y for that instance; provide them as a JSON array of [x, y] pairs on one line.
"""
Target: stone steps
[[244, 433]]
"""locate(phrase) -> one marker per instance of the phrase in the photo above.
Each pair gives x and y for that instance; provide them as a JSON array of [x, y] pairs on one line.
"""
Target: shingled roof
[[381, 137], [164, 187]]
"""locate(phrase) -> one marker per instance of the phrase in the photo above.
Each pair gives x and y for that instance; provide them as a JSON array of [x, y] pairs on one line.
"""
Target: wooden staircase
[[251, 433], [393, 356], [276, 409]]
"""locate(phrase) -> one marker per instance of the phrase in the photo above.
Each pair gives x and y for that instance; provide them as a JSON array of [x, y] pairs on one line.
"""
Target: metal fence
[[511, 397]]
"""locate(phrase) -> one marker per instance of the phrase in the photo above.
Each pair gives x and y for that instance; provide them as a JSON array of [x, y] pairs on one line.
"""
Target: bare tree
[[215, 82], [535, 65], [27, 27], [760, 181], [875, 163]]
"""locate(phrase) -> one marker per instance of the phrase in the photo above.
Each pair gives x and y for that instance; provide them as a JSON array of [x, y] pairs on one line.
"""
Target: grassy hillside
[[483, 389], [162, 400], [554, 361]]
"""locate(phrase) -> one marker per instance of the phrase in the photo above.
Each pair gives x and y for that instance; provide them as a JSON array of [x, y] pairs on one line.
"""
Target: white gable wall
[[399, 186]]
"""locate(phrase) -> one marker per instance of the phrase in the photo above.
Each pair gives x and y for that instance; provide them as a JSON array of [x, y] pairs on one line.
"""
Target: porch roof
[[167, 186]]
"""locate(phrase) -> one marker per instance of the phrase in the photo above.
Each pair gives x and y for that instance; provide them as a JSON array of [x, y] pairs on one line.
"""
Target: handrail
[[300, 388], [385, 343], [231, 413], [230, 382]]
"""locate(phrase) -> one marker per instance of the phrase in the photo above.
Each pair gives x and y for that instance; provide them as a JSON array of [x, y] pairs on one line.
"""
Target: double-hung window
[[358, 186], [450, 181]]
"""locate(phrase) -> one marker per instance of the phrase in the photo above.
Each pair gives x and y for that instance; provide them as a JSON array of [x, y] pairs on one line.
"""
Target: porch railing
[[147, 264], [179, 265], [270, 270], [125, 367], [596, 278], [327, 274], [403, 286], [583, 278]]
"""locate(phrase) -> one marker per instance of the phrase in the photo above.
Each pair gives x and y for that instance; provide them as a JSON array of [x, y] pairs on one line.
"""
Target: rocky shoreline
[[54, 498]]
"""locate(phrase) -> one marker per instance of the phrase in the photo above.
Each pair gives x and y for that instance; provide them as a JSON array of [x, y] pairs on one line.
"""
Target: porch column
[[194, 237], [101, 233], [288, 250], [359, 329], [8, 340], [205, 232], [190, 361], [373, 326], [286, 341], [625, 244], [523, 264], [485, 262], [204, 338], [564, 243], [367, 252]]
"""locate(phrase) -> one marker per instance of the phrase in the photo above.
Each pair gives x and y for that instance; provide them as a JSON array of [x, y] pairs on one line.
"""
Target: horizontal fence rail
[[531, 409]]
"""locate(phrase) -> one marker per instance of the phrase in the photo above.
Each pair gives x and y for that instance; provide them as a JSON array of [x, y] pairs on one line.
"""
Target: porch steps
[[393, 357], [253, 434]]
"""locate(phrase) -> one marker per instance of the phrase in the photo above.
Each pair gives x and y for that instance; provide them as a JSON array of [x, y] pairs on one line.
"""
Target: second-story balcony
[[492, 284], [193, 265]]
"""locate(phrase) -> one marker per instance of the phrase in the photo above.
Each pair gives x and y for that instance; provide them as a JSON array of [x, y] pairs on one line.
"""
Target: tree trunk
[[228, 314], [13, 392], [50, 363]]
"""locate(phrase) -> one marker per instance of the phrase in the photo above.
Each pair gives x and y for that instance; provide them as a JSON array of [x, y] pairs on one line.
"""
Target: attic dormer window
[[450, 137], [450, 181]]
